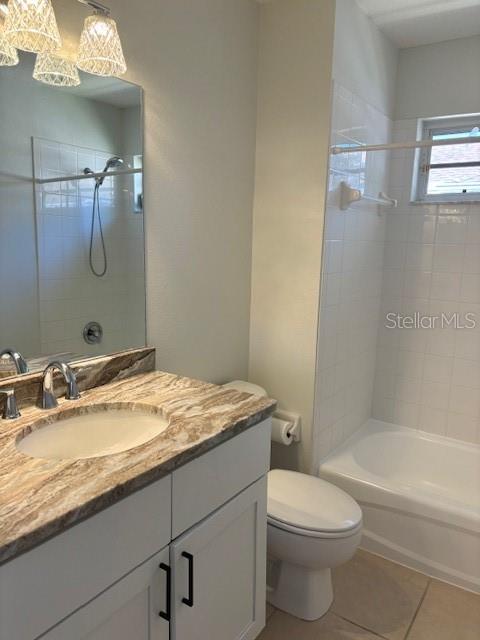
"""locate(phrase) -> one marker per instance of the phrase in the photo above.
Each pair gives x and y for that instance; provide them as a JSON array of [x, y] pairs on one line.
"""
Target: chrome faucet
[[48, 397], [18, 359], [10, 410]]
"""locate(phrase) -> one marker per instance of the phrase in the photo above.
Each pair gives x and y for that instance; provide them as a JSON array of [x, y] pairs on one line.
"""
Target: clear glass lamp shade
[[51, 69], [30, 25], [100, 50], [8, 53]]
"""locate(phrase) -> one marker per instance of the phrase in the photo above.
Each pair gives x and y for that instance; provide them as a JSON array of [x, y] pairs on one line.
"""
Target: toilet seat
[[309, 506], [310, 533]]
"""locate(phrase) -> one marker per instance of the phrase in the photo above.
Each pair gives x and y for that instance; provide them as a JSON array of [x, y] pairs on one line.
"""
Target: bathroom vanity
[[167, 540]]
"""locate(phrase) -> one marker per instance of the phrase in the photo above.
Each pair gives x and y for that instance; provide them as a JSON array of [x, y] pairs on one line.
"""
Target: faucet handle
[[10, 410]]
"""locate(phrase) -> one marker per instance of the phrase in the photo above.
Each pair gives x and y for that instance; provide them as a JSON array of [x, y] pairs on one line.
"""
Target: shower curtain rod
[[88, 176], [336, 150]]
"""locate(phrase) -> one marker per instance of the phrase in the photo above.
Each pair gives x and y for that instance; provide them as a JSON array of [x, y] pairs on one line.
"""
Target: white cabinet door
[[61, 575], [128, 610], [219, 572]]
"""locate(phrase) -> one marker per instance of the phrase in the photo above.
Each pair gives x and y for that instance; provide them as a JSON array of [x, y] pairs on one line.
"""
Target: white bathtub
[[420, 496]]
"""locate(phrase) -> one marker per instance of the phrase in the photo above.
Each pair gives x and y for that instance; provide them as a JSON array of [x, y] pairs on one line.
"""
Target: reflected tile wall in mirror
[[49, 292]]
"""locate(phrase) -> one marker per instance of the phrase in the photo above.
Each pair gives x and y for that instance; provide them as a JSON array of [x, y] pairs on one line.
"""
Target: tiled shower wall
[[352, 276], [429, 379], [69, 294]]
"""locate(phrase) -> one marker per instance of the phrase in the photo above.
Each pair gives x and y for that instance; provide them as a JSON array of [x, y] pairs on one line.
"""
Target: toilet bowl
[[313, 526]]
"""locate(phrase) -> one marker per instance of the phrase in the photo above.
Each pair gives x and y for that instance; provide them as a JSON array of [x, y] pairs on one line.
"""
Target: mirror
[[71, 239]]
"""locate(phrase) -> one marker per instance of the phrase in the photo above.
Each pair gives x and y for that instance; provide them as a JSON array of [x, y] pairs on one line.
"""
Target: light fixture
[[8, 53], [31, 25], [54, 70], [100, 50]]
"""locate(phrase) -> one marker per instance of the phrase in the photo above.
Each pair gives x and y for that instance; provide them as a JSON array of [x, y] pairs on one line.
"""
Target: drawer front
[[44, 585], [208, 482]]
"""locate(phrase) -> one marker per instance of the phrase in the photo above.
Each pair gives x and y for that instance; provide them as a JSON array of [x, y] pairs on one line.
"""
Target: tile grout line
[[422, 599], [355, 624]]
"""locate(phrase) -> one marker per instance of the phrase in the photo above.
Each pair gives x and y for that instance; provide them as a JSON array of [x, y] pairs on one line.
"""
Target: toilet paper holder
[[295, 430]]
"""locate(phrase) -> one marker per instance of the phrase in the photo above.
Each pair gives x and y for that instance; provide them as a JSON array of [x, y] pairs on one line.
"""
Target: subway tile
[[384, 409], [410, 364], [449, 258], [435, 395], [446, 286], [395, 255], [464, 400], [440, 342], [470, 288], [419, 256], [463, 427], [467, 344], [466, 373], [452, 229], [421, 228], [417, 284], [433, 420], [472, 258], [473, 235], [407, 414], [437, 368], [407, 390]]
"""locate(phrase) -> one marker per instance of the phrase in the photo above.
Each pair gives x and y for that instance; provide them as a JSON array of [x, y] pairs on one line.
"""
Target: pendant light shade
[[56, 71], [100, 50], [31, 25], [8, 53]]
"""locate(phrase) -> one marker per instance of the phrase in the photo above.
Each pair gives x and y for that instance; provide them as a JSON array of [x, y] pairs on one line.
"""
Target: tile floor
[[375, 598]]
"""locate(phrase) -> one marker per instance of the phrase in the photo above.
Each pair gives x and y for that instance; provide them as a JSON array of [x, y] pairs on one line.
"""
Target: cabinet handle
[[189, 601], [166, 615]]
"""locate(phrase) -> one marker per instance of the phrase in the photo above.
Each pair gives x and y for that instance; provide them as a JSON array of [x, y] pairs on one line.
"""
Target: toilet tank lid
[[310, 503], [246, 387]]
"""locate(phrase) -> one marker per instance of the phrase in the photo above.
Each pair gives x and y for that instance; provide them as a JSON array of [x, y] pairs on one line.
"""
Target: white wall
[[296, 41], [439, 79], [197, 64], [365, 61]]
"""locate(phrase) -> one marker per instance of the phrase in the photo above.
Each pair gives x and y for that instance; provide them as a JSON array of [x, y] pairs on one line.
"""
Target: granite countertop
[[41, 498]]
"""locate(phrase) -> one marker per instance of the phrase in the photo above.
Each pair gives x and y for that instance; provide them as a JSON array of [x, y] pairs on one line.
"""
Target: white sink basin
[[92, 435]]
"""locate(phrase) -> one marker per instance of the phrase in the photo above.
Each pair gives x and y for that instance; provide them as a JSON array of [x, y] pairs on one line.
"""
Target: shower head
[[112, 163]]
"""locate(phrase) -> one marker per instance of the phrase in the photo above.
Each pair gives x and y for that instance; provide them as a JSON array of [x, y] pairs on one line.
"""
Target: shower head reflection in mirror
[[114, 162]]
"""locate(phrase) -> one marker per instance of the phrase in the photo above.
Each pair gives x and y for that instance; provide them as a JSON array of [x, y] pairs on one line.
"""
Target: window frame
[[429, 128]]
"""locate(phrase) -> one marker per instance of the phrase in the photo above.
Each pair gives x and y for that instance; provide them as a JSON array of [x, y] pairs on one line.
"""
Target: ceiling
[[410, 23], [112, 91]]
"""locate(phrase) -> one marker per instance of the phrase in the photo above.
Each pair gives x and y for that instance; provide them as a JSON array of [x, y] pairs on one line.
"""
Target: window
[[450, 172], [138, 185]]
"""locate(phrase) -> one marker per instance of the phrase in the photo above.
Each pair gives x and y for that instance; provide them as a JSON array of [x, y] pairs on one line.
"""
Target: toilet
[[313, 526]]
